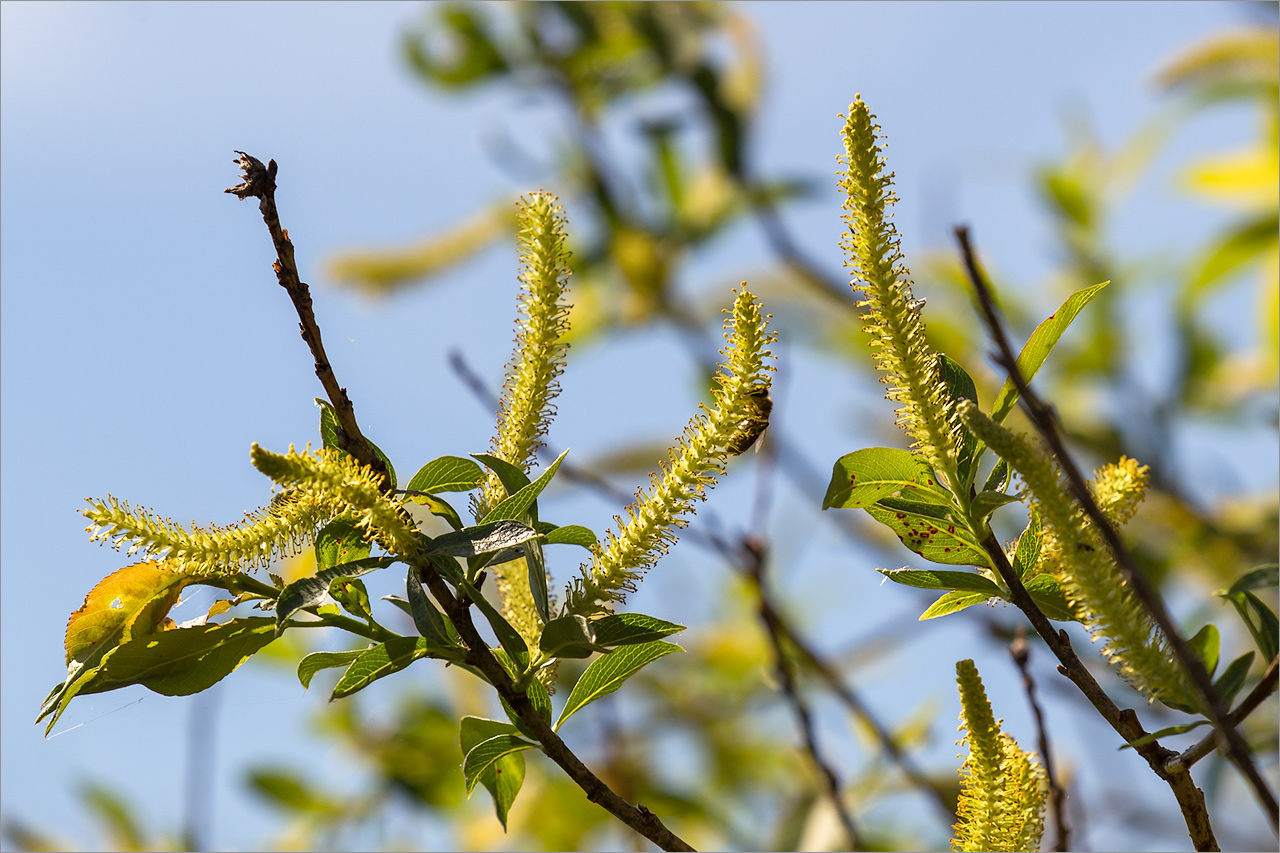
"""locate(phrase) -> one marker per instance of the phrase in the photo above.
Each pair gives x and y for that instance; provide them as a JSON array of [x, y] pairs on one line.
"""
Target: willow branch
[[260, 182], [1021, 652], [1260, 691], [1042, 417], [481, 658], [1190, 798]]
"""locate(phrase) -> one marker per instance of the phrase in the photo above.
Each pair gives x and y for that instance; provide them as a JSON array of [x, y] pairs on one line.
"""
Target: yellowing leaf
[[1246, 177], [130, 602]]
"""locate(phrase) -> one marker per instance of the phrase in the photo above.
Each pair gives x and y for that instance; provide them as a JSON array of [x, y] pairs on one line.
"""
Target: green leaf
[[536, 569], [482, 539], [1266, 575], [1259, 618], [960, 387], [1046, 592], [1206, 645], [353, 597], [511, 477], [1232, 679], [862, 478], [515, 506], [607, 673], [182, 661], [1039, 345], [380, 661], [486, 754], [569, 637], [627, 629], [1182, 728], [340, 541], [1028, 552], [985, 503], [941, 579], [930, 532], [316, 661], [504, 778], [308, 592], [953, 602], [508, 636], [447, 474], [429, 621], [330, 429], [572, 534]]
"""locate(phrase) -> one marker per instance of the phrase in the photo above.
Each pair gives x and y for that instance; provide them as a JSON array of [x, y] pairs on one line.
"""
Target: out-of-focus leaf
[[1247, 241], [289, 791], [384, 271]]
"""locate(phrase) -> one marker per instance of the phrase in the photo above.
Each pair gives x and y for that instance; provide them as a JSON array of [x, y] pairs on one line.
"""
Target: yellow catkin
[[693, 464]]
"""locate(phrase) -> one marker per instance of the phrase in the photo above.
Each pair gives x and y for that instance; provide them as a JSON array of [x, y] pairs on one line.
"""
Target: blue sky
[[144, 344]]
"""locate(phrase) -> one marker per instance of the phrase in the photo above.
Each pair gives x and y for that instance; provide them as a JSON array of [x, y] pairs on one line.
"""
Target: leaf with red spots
[[866, 476], [930, 531]]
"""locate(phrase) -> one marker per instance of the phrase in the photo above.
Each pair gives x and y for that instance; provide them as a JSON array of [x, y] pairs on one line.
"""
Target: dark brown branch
[[753, 559], [1125, 722], [1260, 691], [1043, 419], [260, 182], [1021, 652]]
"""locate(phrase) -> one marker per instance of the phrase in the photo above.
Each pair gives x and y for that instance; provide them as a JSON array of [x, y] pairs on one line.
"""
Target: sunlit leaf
[[606, 674]]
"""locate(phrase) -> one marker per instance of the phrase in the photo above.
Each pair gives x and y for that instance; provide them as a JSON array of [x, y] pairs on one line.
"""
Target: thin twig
[[1043, 419], [1208, 744], [753, 557], [260, 182], [1020, 651]]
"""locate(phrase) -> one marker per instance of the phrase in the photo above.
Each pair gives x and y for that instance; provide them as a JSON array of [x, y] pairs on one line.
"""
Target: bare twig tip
[[258, 179]]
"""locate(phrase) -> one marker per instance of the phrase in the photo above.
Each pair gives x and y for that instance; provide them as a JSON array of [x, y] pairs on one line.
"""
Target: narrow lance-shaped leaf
[[1039, 345], [607, 673]]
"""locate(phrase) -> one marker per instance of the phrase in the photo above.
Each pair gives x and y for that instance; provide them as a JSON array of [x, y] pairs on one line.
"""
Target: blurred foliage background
[[706, 740]]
